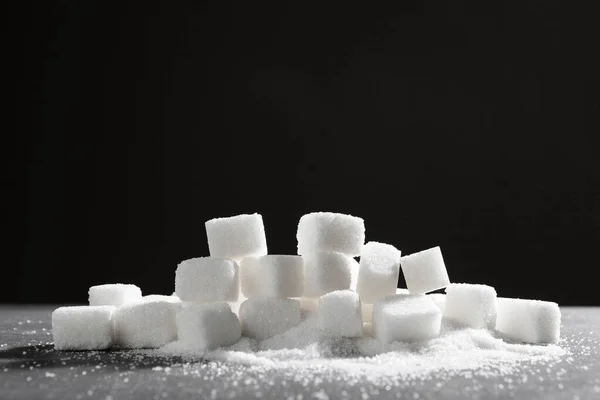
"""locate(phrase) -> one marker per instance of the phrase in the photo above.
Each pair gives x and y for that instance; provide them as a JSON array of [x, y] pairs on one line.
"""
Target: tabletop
[[30, 368]]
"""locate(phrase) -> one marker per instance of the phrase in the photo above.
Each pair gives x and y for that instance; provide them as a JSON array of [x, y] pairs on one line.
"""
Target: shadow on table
[[45, 356]]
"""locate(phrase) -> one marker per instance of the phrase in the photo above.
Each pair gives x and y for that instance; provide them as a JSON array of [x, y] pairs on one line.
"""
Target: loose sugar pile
[[320, 311]]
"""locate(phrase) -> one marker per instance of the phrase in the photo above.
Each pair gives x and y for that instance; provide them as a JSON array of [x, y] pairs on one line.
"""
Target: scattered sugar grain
[[307, 357]]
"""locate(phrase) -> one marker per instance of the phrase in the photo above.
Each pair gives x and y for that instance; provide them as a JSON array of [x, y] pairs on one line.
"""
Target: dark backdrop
[[471, 128]]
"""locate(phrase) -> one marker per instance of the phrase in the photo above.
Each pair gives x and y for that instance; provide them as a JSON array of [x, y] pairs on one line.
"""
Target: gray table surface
[[30, 368]]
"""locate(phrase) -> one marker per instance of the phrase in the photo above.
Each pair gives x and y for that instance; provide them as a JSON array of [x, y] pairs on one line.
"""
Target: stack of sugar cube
[[241, 290]]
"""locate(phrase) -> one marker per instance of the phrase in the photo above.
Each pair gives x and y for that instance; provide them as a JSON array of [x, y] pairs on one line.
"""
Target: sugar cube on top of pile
[[425, 271], [113, 294], [236, 237], [379, 271], [327, 231]]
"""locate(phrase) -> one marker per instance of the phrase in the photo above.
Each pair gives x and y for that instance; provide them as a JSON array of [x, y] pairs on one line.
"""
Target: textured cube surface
[[325, 272], [207, 325], [326, 231], [308, 304], [339, 314], [145, 324], [272, 276], [379, 271], [83, 327], [236, 237], [207, 279], [439, 300], [530, 321], [161, 297], [367, 308], [114, 294], [471, 305], [405, 318], [263, 317], [425, 271]]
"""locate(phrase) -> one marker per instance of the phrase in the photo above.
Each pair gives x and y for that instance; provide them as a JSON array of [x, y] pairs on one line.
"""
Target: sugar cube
[[207, 325], [83, 327], [367, 309], [339, 314], [114, 294], [263, 317], [326, 231], [439, 299], [236, 237], [272, 276], [471, 305], [325, 272], [207, 279], [378, 272], [425, 271], [405, 318], [145, 324], [529, 321]]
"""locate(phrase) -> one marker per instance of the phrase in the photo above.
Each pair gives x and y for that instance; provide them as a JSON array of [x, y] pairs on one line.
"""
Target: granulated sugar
[[305, 351]]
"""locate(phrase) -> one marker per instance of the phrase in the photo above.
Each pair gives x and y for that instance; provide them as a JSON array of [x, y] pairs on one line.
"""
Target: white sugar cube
[[207, 279], [367, 309], [145, 324], [83, 327], [114, 294], [236, 237], [471, 305], [379, 271], [439, 299], [325, 272], [405, 318], [326, 231], [339, 314], [425, 271], [263, 317], [207, 325], [530, 321], [272, 276]]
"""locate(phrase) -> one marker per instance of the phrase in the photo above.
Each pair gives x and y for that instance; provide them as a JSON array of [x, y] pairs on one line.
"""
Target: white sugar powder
[[304, 348]]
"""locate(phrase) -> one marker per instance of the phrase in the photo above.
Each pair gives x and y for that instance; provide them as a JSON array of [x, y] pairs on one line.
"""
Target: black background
[[468, 127]]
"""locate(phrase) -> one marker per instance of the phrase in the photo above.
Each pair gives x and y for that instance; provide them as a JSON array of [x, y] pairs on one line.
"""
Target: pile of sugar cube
[[242, 291]]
